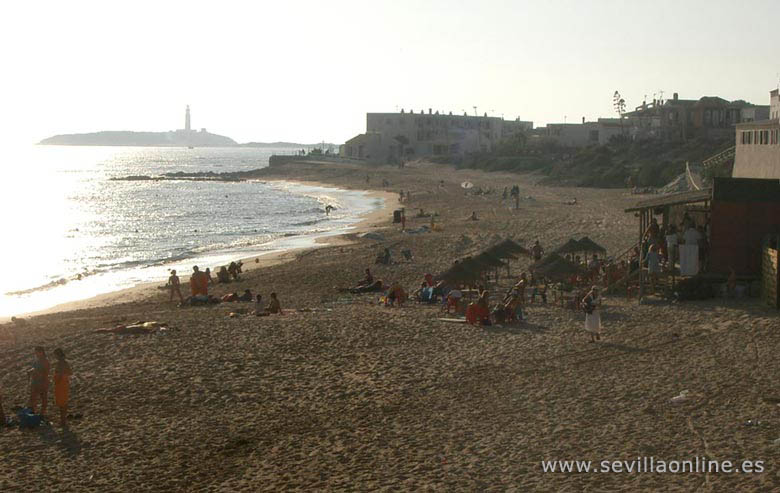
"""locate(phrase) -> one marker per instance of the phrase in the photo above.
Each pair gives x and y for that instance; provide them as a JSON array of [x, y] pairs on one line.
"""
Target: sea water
[[71, 232]]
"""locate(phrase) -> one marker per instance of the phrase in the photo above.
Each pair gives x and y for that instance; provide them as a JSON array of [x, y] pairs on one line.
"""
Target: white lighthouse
[[187, 119]]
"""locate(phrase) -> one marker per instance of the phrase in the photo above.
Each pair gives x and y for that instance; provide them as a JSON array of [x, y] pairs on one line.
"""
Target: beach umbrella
[[571, 246], [500, 253], [476, 265], [556, 267], [467, 185], [588, 245], [512, 247], [459, 273], [489, 259]]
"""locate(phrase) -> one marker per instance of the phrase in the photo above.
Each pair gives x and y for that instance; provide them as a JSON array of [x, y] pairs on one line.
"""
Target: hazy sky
[[308, 71]]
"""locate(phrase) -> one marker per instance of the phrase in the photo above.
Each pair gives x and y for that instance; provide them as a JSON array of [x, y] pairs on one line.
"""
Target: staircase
[[720, 158]]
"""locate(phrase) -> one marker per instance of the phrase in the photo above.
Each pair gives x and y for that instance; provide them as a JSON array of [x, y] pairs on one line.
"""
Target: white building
[[390, 137], [757, 152]]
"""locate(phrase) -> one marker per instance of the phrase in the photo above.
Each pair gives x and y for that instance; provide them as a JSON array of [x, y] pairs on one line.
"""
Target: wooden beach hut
[[739, 212]]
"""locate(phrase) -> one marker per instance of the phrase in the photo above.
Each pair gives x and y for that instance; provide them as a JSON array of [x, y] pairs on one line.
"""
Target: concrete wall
[[573, 134], [758, 151]]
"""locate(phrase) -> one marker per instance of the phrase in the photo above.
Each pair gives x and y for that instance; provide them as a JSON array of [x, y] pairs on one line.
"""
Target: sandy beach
[[341, 393]]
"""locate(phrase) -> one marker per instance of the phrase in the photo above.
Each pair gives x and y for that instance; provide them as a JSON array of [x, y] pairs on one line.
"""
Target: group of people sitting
[[508, 309], [272, 308], [38, 375], [199, 288]]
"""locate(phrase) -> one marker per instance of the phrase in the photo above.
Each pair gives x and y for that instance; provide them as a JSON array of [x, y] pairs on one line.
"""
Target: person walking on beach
[[591, 305], [174, 285], [39, 380], [62, 373]]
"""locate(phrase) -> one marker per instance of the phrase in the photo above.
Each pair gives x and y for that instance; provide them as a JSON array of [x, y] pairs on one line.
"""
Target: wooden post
[[666, 219], [641, 254]]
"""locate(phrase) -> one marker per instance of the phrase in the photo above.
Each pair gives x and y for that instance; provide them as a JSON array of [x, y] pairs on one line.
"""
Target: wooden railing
[[720, 157], [624, 255]]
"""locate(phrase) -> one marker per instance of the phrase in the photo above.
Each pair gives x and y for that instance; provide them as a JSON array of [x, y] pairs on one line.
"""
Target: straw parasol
[[460, 273], [571, 246], [489, 259], [556, 267], [512, 247], [501, 254], [588, 245]]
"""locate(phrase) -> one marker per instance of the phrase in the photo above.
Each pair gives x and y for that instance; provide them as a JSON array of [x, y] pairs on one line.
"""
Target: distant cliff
[[179, 138]]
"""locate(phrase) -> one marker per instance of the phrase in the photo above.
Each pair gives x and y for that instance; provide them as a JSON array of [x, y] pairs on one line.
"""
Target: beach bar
[[740, 214]]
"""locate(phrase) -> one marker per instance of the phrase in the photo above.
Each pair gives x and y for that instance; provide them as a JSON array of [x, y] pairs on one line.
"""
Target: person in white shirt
[[689, 251]]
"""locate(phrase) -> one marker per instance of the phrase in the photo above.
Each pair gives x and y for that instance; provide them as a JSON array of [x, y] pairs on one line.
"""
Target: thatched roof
[[489, 259], [512, 247], [555, 267], [588, 245], [460, 272], [498, 252], [571, 246]]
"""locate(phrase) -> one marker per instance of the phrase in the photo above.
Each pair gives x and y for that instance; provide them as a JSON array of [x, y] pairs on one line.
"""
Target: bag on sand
[[27, 419]]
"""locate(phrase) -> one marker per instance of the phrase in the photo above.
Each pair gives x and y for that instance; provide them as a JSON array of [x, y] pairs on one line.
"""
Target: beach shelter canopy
[[571, 246], [477, 265], [500, 253], [556, 267], [588, 245], [489, 259], [511, 247], [460, 273]]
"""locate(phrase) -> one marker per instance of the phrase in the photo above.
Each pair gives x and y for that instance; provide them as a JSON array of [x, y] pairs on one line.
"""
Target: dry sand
[[354, 396]]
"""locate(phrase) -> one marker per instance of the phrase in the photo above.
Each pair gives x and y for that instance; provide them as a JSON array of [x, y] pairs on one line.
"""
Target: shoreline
[[148, 290], [342, 391]]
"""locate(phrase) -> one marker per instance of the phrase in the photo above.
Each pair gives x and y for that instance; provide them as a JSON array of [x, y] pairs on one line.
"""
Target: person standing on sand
[[39, 380], [199, 283], [174, 285], [537, 251], [653, 266], [62, 373], [591, 305], [403, 219]]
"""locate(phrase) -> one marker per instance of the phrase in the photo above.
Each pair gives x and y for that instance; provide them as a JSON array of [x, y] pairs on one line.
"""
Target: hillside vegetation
[[647, 163]]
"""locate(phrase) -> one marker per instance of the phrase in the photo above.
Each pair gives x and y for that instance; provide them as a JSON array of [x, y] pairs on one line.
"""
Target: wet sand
[[340, 393]]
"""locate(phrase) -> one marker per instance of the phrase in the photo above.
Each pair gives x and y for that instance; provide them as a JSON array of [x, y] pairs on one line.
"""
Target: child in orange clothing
[[62, 373]]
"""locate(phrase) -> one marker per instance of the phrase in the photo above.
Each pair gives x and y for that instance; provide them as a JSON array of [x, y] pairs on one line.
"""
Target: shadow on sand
[[64, 439], [516, 329]]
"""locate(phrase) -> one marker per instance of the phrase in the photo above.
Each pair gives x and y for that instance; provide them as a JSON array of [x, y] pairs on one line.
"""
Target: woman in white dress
[[591, 305]]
